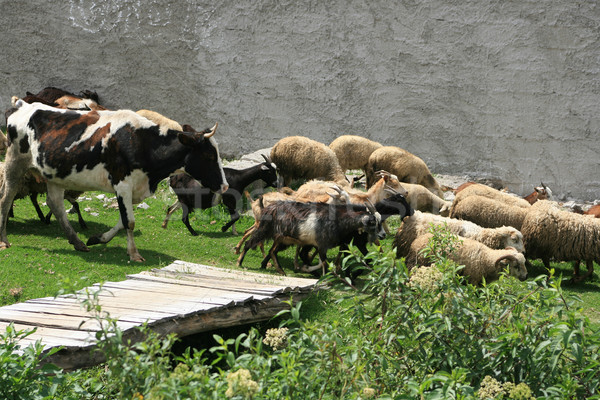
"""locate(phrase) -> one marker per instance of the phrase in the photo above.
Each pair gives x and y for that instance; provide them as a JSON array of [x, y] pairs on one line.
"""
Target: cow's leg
[[14, 169], [56, 202]]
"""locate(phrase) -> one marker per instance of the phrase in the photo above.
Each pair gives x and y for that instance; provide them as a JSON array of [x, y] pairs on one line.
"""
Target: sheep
[[480, 262], [406, 166], [159, 119], [191, 194], [478, 189], [424, 200], [353, 151], [419, 224], [551, 233], [298, 157], [488, 213]]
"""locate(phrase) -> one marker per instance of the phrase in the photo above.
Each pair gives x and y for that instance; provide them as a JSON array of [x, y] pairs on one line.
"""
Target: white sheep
[[406, 166], [298, 157], [419, 223], [488, 213], [478, 189], [480, 262], [353, 151], [551, 233]]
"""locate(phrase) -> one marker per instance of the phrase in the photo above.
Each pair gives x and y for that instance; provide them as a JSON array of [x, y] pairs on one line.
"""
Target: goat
[[191, 194], [316, 224]]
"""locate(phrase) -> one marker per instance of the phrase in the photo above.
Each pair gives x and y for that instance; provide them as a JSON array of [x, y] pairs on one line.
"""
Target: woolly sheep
[[353, 151], [480, 262], [551, 233], [488, 213], [477, 189], [164, 122], [424, 200], [298, 157], [406, 166], [419, 223]]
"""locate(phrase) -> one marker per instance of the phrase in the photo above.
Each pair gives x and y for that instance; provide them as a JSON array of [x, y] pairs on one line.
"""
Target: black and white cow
[[113, 151]]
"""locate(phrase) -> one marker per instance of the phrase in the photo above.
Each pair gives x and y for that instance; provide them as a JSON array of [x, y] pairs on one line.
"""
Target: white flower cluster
[[240, 383], [427, 278], [492, 389], [276, 338], [368, 392]]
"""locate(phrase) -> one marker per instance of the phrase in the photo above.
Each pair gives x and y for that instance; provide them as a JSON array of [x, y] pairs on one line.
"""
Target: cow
[[86, 100], [113, 151]]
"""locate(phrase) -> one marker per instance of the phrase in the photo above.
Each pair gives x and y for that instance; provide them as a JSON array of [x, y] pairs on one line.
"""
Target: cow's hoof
[[93, 240], [137, 258]]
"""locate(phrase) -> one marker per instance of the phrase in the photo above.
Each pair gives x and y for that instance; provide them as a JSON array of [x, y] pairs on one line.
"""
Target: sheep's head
[[515, 263], [511, 237]]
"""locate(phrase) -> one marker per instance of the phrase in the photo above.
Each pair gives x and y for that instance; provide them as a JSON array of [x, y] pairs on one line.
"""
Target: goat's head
[[371, 223], [269, 172]]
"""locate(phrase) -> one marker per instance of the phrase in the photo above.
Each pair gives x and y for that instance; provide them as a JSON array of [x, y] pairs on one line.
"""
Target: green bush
[[400, 334]]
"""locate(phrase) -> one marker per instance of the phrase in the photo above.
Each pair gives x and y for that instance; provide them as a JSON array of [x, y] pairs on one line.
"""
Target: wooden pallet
[[181, 298]]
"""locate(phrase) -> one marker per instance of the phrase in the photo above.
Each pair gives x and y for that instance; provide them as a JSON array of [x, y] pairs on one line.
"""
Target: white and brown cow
[[113, 151]]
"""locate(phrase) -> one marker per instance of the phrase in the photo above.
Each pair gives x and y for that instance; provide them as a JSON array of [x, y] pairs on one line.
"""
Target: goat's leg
[[234, 217], [273, 255], [170, 210], [38, 210], [186, 219], [247, 233], [75, 205], [55, 200]]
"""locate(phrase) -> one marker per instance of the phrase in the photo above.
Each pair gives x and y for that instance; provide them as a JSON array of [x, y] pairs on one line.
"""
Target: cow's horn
[[212, 131]]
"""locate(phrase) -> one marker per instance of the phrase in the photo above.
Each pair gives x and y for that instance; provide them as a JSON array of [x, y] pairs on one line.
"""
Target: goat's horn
[[212, 131], [544, 185], [370, 207]]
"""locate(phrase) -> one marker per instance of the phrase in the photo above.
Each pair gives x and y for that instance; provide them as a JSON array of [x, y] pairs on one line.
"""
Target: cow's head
[[203, 163]]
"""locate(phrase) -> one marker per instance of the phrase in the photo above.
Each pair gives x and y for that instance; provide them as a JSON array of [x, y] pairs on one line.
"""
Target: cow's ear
[[189, 139], [188, 128]]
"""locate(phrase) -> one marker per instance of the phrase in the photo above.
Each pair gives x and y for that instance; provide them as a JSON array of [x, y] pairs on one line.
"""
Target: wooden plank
[[199, 269], [58, 321], [55, 336], [207, 282]]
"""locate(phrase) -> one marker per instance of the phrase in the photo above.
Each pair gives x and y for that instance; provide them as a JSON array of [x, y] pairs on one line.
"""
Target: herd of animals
[[63, 144]]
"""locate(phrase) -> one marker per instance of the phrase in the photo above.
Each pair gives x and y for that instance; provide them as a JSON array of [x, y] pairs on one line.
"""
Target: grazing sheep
[[406, 166], [477, 189], [551, 233], [419, 224], [159, 119], [299, 157], [488, 213], [480, 262], [424, 200], [353, 151]]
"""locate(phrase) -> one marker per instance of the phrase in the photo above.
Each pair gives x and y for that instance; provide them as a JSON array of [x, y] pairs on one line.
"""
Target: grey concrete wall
[[505, 89]]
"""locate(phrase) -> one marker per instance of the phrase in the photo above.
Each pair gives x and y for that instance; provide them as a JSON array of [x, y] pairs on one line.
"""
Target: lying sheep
[[477, 189], [353, 151], [299, 157], [406, 166], [551, 233], [419, 224], [488, 213], [480, 262]]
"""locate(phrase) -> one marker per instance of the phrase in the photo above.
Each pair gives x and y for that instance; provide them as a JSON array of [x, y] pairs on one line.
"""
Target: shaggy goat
[[406, 166], [353, 152], [480, 262], [551, 233], [488, 213], [298, 157], [321, 225], [419, 224]]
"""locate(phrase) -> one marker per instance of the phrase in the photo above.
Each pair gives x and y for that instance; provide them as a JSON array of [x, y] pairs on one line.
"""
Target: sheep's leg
[[590, 270], [186, 219], [55, 200], [170, 210], [576, 268], [38, 210]]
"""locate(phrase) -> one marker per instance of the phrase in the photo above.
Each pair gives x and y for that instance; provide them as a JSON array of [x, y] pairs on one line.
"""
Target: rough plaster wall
[[506, 89]]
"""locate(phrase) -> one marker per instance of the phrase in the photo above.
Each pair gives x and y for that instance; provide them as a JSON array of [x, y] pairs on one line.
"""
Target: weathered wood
[[181, 298]]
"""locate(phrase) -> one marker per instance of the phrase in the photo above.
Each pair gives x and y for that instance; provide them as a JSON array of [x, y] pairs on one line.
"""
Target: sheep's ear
[[506, 260]]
